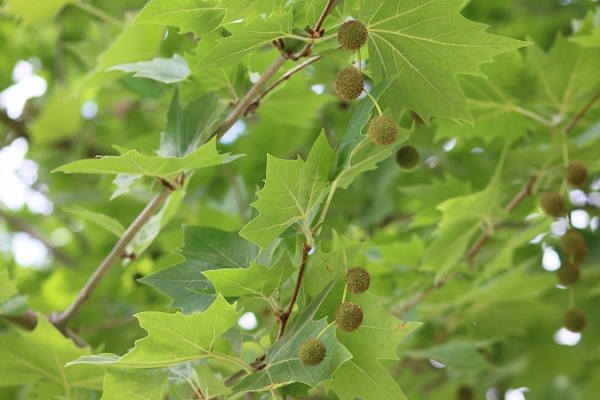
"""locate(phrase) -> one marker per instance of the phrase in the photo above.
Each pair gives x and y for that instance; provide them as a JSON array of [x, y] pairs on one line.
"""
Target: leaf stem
[[284, 318], [581, 113], [374, 101], [64, 317]]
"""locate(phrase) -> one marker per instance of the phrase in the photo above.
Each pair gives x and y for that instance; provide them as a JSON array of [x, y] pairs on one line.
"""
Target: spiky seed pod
[[568, 274], [348, 316], [352, 35], [382, 130], [580, 256], [407, 157], [577, 174], [574, 320], [312, 352], [349, 83], [357, 280], [572, 242], [553, 204]]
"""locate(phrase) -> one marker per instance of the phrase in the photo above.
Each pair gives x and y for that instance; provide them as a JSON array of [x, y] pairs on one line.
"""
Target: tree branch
[[582, 113], [23, 226], [284, 318], [63, 318], [485, 236], [239, 111], [27, 320]]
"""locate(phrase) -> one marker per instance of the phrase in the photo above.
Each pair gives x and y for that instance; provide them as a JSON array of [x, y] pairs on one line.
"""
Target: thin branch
[[284, 318], [240, 109], [115, 255], [485, 236], [316, 32], [27, 320], [328, 8], [23, 226], [282, 79], [582, 113]]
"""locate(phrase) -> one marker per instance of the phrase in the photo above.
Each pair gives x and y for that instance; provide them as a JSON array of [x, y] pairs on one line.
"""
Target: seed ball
[[349, 83], [407, 157], [382, 130], [312, 352], [348, 316], [553, 204], [357, 280], [574, 320], [568, 274], [352, 35], [572, 242], [577, 174]]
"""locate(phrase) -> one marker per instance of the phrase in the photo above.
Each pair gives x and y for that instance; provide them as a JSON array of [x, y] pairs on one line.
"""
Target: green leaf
[[134, 163], [256, 280], [175, 338], [376, 338], [282, 363], [7, 286], [99, 219], [428, 44], [186, 125], [197, 16], [462, 218], [459, 356], [165, 70], [292, 194], [40, 356], [59, 119], [134, 385], [35, 12], [204, 249], [244, 40]]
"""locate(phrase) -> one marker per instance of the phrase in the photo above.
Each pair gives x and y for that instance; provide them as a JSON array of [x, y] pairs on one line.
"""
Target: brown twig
[[241, 107], [64, 317], [582, 113], [487, 234], [282, 79], [27, 320], [316, 32], [32, 231], [284, 317]]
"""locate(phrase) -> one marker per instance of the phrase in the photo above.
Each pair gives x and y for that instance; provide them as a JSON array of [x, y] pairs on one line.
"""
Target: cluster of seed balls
[[572, 242], [348, 317], [349, 85]]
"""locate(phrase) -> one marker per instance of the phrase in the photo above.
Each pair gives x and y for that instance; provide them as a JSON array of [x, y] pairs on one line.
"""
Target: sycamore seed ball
[[357, 280], [349, 83], [553, 204], [568, 274], [407, 157], [312, 352], [572, 242], [382, 130], [348, 316], [574, 320], [352, 35], [577, 174]]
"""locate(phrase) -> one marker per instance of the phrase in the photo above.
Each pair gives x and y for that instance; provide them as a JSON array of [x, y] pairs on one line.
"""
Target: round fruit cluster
[[348, 318], [572, 243]]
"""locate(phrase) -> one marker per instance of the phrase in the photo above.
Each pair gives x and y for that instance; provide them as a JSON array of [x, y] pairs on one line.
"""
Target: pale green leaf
[[135, 163], [244, 40], [256, 280], [176, 338], [99, 219], [428, 44], [165, 70], [197, 16], [125, 385], [293, 191], [40, 356]]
